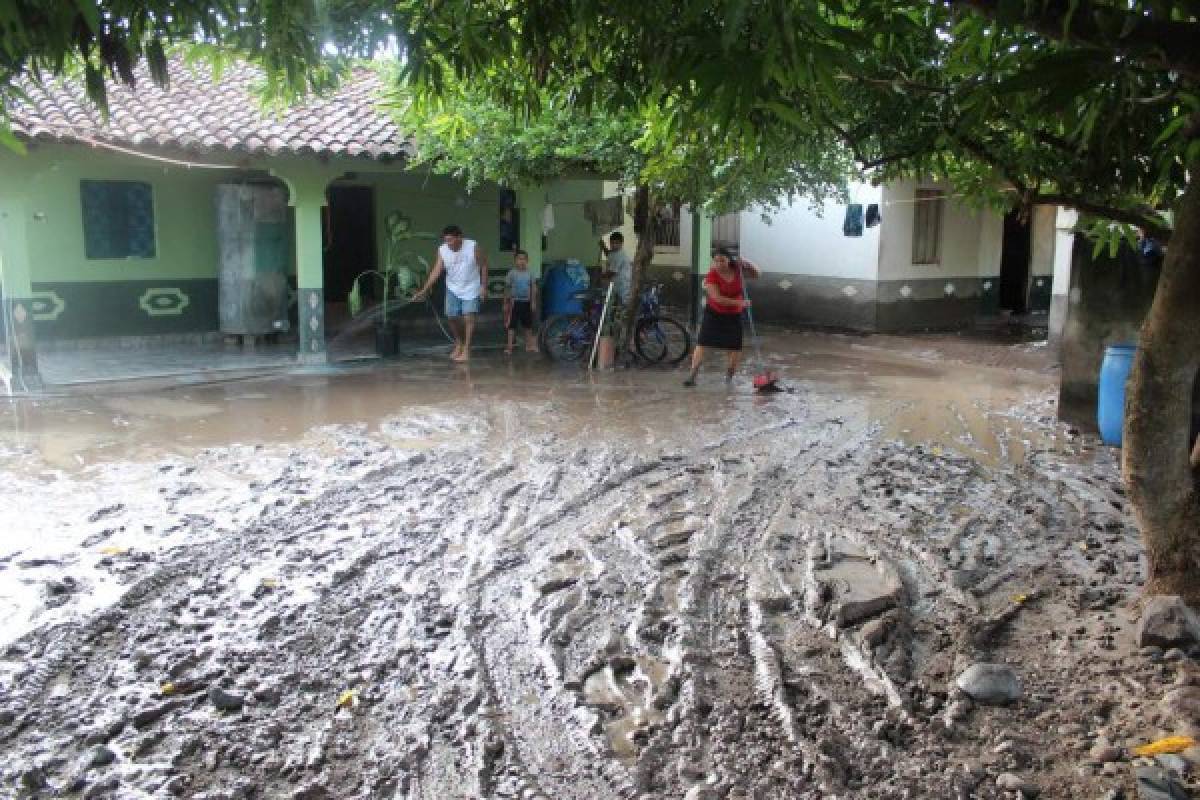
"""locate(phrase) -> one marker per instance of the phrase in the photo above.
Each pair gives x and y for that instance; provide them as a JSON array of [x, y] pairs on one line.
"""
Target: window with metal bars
[[118, 219], [927, 226]]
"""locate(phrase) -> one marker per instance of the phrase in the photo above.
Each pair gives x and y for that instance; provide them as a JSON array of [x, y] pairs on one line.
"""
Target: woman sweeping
[[721, 328]]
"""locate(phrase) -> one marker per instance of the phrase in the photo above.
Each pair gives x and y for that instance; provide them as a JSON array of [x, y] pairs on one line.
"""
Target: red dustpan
[[766, 381]]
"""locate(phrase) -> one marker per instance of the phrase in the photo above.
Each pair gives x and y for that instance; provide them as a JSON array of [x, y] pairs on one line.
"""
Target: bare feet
[[457, 354], [462, 357]]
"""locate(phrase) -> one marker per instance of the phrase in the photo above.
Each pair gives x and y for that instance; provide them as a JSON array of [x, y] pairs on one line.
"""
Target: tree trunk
[[1164, 486], [643, 225]]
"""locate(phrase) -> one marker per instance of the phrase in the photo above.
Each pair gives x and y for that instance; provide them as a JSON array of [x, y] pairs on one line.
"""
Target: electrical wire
[[85, 139]]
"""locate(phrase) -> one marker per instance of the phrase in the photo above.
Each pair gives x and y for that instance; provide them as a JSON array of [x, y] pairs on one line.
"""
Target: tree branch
[[1164, 43], [864, 163], [1147, 219]]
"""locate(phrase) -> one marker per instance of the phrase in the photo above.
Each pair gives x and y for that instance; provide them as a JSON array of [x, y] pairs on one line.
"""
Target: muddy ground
[[510, 581]]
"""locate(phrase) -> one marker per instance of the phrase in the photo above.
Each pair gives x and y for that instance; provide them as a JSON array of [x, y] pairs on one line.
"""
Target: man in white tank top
[[465, 265]]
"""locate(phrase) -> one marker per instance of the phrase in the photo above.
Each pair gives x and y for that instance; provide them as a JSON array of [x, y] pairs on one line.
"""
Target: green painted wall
[[184, 217], [572, 236], [432, 202], [77, 297]]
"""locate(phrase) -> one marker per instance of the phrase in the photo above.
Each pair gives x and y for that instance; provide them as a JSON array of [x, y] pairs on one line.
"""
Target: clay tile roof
[[196, 114]]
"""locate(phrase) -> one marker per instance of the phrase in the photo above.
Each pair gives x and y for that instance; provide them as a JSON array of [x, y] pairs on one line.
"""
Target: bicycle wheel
[[566, 337], [662, 340]]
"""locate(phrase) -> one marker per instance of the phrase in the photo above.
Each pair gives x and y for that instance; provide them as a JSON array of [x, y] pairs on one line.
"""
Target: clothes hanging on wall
[[873, 215], [853, 224], [605, 215], [547, 219]]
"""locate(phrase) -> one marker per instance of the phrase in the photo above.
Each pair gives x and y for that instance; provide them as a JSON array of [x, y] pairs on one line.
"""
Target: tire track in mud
[[554, 620], [730, 622]]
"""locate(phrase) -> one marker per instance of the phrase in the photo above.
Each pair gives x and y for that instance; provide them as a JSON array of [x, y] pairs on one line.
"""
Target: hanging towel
[[853, 226], [547, 219], [605, 215], [873, 216]]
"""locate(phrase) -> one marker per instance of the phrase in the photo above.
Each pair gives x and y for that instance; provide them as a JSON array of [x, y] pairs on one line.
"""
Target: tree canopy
[[1088, 104], [465, 132]]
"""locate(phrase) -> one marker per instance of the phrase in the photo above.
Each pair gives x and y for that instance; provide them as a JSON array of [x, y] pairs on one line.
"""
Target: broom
[[765, 380]]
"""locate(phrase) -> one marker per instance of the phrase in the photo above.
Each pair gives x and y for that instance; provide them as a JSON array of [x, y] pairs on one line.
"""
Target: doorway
[[347, 239], [1017, 248]]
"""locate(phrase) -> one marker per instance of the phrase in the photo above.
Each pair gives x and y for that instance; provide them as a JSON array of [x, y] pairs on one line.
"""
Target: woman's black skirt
[[720, 331]]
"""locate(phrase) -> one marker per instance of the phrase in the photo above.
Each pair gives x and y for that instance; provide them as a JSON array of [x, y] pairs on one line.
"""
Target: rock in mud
[[1011, 782], [990, 684], [1105, 753], [34, 780], [99, 756], [1154, 783], [1167, 622], [223, 700]]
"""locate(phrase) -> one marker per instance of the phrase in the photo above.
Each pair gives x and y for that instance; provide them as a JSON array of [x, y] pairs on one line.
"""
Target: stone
[[313, 791], [700, 793], [1153, 783], [1105, 753], [1011, 782], [268, 695], [1167, 622], [34, 780], [223, 700], [99, 756], [990, 684]]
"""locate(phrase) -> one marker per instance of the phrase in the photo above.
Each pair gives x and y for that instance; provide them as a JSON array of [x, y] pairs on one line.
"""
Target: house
[[190, 212], [904, 256], [190, 215]]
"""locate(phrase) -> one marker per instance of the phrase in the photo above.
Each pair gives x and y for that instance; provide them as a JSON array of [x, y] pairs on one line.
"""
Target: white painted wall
[[800, 241], [971, 239], [991, 244], [1064, 243], [1042, 231]]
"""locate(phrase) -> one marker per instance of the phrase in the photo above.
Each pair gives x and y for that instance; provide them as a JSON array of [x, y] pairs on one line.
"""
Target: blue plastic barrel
[[1110, 408], [562, 281]]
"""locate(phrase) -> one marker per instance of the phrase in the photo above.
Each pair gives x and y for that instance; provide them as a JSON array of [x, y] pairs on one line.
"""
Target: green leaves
[[729, 100]]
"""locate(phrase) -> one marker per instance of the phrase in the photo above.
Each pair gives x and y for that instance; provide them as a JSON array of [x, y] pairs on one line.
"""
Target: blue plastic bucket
[[1110, 408]]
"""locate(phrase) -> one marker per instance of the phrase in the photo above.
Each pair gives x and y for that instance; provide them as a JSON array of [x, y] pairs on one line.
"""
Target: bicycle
[[657, 338]]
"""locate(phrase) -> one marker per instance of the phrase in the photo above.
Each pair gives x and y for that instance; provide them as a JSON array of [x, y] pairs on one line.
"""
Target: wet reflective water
[[915, 397]]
